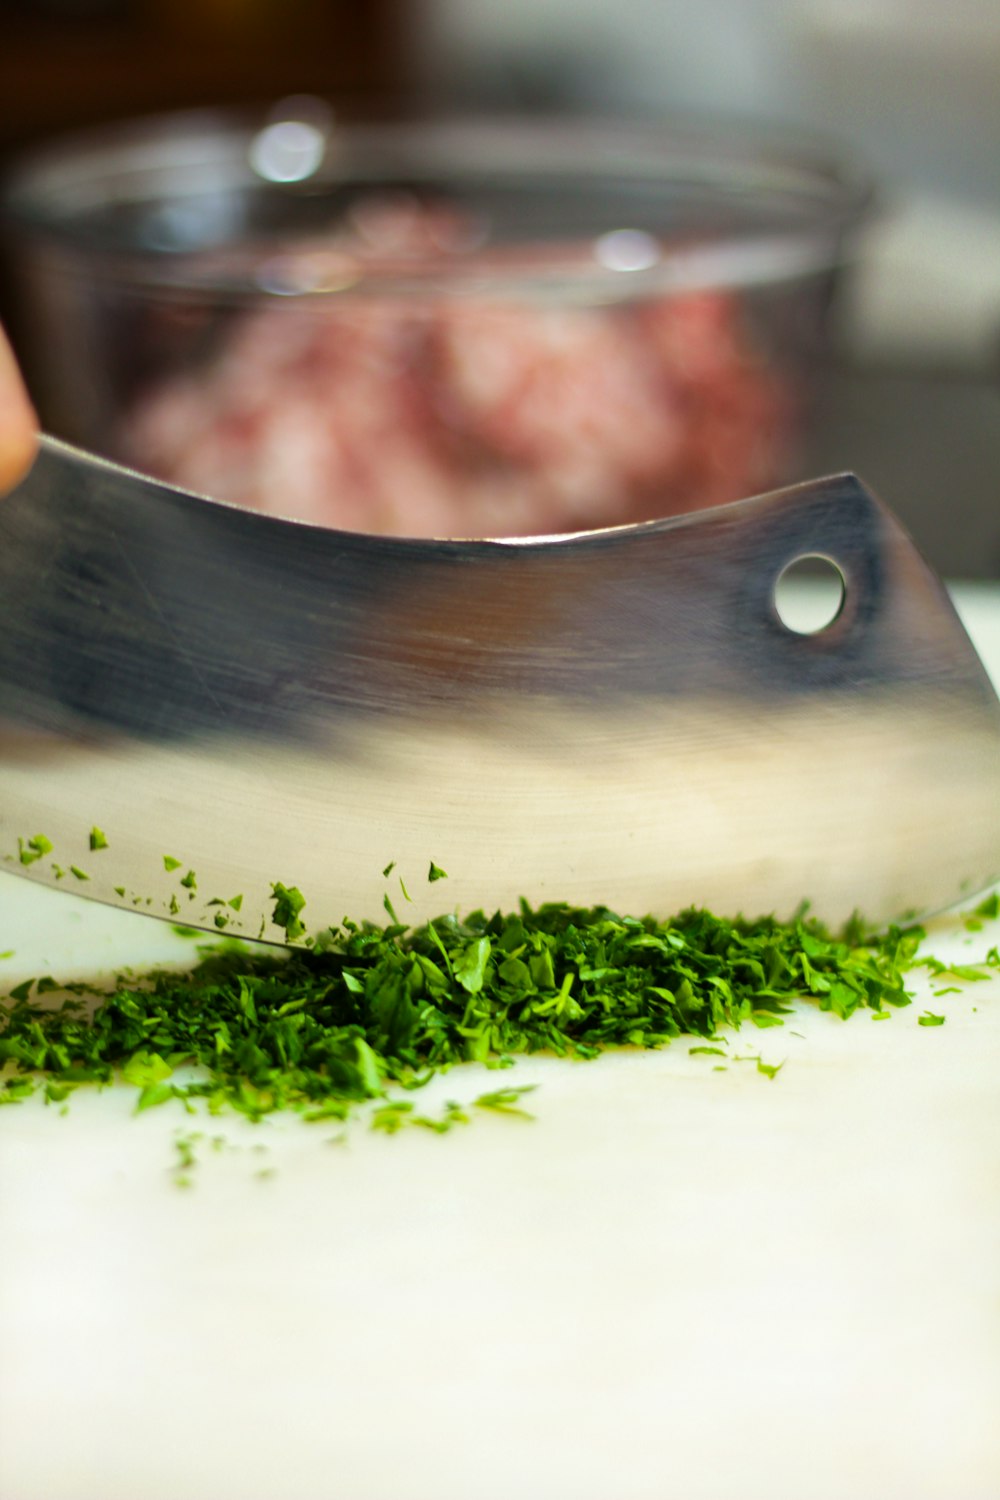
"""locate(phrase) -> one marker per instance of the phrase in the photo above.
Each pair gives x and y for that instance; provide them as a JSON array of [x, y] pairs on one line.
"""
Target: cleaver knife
[[616, 717]]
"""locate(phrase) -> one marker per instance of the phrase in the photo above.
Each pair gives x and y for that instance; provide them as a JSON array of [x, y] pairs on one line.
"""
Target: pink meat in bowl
[[498, 331]]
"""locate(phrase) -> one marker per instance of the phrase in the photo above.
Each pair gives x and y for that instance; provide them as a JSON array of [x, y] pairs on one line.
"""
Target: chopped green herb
[[930, 1019], [369, 1009], [436, 873], [29, 850], [505, 1101], [120, 890], [388, 869], [391, 1117], [145, 1068], [288, 903], [169, 863], [80, 874], [152, 1094], [189, 881], [453, 1114], [236, 902], [98, 839], [185, 1145], [970, 973], [16, 1089]]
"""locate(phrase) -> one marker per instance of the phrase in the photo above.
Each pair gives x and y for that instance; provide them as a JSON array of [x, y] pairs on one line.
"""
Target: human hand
[[18, 423]]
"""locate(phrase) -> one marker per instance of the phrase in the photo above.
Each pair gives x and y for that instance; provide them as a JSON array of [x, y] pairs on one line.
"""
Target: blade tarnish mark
[[141, 583], [171, 635]]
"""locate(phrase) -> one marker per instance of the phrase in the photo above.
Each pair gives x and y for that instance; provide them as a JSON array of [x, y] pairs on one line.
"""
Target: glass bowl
[[469, 328]]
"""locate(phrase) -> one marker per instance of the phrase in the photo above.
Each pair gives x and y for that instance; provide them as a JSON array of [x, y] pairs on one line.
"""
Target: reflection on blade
[[618, 717]]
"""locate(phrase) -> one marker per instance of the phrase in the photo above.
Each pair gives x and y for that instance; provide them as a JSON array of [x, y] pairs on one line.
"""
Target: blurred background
[[910, 395]]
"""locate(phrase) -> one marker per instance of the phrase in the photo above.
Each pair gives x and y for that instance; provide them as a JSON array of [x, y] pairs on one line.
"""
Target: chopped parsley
[[288, 903], [29, 850], [366, 1009]]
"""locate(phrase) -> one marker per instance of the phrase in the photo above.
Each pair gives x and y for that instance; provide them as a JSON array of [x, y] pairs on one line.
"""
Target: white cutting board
[[673, 1282]]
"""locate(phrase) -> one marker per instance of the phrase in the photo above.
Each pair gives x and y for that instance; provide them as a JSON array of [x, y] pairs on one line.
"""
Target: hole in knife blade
[[809, 594]]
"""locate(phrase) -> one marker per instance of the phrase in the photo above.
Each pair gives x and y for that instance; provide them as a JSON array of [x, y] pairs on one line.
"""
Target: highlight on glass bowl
[[466, 328]]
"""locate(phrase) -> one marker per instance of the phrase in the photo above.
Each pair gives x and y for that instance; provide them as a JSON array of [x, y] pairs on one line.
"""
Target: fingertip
[[18, 422], [18, 447]]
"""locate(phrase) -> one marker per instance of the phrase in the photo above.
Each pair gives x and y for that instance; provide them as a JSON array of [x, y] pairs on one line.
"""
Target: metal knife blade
[[615, 717]]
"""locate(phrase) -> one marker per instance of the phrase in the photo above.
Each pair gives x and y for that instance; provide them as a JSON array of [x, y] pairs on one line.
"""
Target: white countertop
[[674, 1281]]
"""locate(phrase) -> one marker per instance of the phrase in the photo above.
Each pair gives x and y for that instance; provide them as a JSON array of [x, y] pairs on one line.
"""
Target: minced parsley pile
[[364, 1008]]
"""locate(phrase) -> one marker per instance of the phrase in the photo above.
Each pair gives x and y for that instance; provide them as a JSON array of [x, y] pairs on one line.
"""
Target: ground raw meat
[[469, 416]]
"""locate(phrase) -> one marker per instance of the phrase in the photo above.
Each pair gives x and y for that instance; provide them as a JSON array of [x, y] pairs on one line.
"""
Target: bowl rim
[[47, 189]]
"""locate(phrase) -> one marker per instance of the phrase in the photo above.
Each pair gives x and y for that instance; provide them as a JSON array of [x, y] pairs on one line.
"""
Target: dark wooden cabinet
[[69, 63]]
